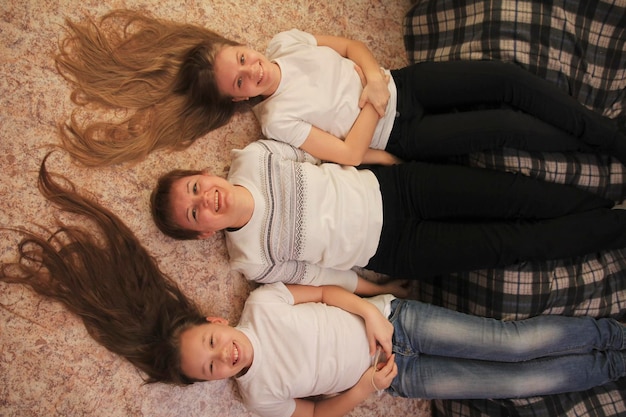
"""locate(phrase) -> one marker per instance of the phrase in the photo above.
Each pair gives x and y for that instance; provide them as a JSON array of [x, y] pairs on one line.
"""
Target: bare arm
[[343, 403], [349, 151], [380, 157], [375, 89], [353, 148], [378, 327]]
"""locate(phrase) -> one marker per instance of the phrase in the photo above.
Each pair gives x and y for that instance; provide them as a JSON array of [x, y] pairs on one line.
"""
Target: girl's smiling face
[[204, 203], [214, 351], [243, 73]]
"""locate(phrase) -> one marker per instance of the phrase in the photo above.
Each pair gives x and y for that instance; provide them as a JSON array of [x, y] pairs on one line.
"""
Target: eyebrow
[[187, 210], [238, 65], [204, 367]]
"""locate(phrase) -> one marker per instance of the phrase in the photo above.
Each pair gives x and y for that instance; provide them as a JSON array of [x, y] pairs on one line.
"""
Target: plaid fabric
[[594, 285], [580, 46], [600, 174]]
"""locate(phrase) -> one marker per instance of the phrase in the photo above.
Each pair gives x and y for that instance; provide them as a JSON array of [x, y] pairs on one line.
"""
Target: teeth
[[216, 202], [235, 354], [261, 73]]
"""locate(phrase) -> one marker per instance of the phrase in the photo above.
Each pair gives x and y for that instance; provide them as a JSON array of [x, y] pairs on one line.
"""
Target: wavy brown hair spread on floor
[[106, 277]]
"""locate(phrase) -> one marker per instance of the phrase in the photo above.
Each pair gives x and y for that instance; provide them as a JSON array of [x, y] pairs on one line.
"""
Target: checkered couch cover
[[581, 47]]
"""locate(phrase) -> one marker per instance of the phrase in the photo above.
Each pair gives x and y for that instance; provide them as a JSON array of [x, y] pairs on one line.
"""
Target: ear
[[217, 320], [205, 235]]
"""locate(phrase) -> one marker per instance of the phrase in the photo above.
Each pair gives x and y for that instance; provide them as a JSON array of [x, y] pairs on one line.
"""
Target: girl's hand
[[375, 91], [380, 157], [398, 287], [380, 376], [379, 331]]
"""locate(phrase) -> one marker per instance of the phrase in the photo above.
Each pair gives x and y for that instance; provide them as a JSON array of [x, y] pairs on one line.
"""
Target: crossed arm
[[354, 148], [379, 332], [285, 271]]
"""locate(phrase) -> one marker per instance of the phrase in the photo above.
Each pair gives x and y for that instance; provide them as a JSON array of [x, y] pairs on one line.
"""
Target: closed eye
[[211, 365]]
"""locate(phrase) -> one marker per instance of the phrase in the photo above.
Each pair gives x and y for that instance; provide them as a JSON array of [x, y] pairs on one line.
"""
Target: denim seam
[[404, 348]]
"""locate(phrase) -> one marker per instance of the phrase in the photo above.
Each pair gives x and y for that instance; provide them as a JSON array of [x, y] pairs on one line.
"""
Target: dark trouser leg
[[426, 248], [440, 219], [438, 87], [448, 134], [430, 191]]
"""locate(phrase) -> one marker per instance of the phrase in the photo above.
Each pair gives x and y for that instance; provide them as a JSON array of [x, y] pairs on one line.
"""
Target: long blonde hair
[[157, 74]]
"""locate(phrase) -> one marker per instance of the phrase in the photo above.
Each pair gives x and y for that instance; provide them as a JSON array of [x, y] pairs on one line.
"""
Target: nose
[[198, 201], [225, 355], [202, 200], [250, 70]]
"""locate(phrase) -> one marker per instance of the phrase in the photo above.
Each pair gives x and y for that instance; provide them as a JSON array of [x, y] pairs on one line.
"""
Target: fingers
[[387, 367], [386, 76], [380, 110], [363, 101], [373, 344], [386, 347], [386, 372], [359, 71], [401, 288], [382, 332], [379, 95]]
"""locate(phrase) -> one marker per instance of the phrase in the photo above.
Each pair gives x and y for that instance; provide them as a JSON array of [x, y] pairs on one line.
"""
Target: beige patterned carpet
[[49, 366]]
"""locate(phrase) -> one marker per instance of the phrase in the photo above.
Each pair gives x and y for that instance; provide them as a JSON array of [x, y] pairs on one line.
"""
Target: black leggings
[[430, 126], [447, 218]]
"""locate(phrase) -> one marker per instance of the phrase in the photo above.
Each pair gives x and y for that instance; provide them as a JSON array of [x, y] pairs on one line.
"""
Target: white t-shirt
[[300, 351], [311, 223], [318, 87]]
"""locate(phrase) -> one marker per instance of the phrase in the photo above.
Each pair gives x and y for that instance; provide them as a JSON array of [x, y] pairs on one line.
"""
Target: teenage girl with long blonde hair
[[324, 94]]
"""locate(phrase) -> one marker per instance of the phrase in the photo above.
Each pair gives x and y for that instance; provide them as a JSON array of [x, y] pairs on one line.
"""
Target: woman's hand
[[379, 376], [379, 331], [375, 91], [385, 373]]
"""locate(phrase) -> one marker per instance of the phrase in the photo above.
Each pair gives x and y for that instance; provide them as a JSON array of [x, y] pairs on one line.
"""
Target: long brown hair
[[158, 73], [108, 279]]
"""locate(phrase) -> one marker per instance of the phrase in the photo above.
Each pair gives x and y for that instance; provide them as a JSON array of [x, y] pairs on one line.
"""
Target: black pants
[[429, 125], [448, 218]]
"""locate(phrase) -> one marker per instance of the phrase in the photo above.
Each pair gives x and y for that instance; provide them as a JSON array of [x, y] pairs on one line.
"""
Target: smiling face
[[206, 204], [243, 73], [215, 351]]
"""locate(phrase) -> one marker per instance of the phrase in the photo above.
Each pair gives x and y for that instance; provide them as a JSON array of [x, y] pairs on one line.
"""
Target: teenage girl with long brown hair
[[129, 306]]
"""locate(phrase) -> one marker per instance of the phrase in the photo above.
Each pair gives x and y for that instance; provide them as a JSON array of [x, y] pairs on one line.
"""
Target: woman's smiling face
[[243, 73]]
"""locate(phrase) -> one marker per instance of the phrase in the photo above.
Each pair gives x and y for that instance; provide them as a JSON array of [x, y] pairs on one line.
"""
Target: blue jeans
[[444, 354]]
